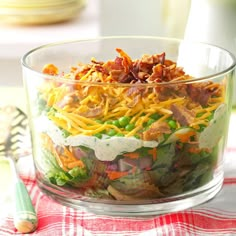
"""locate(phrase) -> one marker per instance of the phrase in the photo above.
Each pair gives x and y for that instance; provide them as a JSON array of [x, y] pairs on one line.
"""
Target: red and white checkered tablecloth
[[216, 217]]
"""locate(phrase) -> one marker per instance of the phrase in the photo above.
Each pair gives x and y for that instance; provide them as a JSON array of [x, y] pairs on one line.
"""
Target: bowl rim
[[59, 78]]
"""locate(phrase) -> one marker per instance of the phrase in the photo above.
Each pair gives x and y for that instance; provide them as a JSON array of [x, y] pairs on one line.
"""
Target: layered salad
[[128, 129]]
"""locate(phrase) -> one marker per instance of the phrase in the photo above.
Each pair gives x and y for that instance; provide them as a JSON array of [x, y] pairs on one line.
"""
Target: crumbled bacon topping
[[201, 92], [183, 115], [50, 69], [156, 130], [148, 69]]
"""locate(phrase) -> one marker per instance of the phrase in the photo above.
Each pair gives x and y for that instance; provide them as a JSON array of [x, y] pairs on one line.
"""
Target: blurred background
[[25, 24]]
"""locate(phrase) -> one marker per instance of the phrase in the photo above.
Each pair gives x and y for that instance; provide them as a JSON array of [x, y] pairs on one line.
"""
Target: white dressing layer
[[106, 149]]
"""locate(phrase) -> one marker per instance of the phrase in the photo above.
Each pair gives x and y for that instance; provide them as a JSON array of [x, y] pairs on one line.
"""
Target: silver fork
[[13, 136]]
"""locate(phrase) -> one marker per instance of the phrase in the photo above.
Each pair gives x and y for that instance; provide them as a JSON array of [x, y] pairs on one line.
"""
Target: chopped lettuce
[[212, 134], [57, 175], [165, 156]]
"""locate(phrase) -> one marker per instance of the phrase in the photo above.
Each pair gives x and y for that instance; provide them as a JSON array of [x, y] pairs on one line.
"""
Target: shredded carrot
[[184, 138], [68, 154], [132, 155], [60, 162], [78, 163], [48, 144], [72, 161], [112, 175], [153, 152], [194, 150], [66, 160]]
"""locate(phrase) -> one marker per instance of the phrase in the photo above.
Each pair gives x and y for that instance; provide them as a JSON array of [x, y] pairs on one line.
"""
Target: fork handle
[[25, 218]]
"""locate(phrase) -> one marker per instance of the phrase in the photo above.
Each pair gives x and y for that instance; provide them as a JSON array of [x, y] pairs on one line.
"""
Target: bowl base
[[162, 206]]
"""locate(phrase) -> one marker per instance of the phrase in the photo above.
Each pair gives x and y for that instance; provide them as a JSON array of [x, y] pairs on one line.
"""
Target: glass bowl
[[129, 125]]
